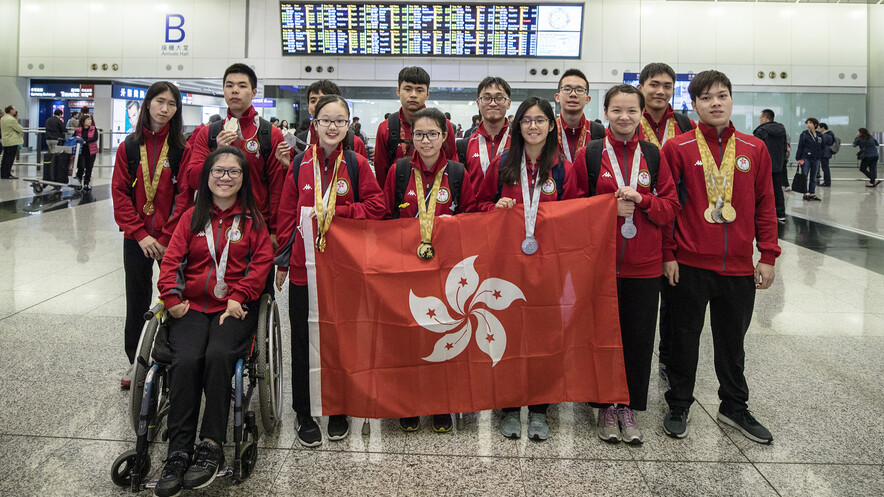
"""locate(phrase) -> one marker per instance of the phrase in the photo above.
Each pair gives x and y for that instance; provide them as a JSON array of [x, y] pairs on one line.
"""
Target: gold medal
[[728, 213], [320, 243], [708, 214], [148, 208], [152, 184], [425, 251], [719, 180], [324, 207]]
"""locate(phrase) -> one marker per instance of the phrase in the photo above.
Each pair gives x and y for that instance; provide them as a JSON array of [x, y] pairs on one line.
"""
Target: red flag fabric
[[479, 326]]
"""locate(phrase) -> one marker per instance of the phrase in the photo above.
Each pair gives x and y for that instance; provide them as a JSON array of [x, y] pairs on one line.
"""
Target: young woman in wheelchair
[[212, 274]]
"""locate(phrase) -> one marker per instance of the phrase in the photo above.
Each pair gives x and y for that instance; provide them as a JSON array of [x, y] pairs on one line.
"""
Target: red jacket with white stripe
[[382, 167], [725, 248], [474, 163], [487, 194], [187, 271], [444, 203], [296, 195]]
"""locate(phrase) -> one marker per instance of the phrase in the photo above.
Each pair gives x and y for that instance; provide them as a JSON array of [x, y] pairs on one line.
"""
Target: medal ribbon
[[323, 205], [563, 139], [484, 160], [150, 186], [718, 188], [426, 212], [531, 204], [633, 172], [220, 266], [651, 135]]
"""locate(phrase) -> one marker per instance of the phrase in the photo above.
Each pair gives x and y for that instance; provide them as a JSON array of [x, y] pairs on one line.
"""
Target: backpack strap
[[652, 159], [462, 149], [403, 172], [558, 175], [683, 122], [349, 140], [214, 129], [353, 172], [499, 181], [264, 128], [596, 130], [393, 131], [593, 164], [455, 171]]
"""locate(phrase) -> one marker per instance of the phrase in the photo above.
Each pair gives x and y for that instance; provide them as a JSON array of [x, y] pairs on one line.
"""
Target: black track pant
[[139, 289], [299, 307]]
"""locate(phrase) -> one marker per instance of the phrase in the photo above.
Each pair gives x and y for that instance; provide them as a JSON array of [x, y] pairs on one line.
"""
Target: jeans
[[811, 168], [827, 174], [869, 167]]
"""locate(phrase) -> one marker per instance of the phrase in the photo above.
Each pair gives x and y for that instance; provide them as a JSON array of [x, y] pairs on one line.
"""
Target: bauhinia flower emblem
[[470, 300]]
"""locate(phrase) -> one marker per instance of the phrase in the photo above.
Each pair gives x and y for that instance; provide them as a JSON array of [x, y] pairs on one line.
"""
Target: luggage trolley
[[55, 173]]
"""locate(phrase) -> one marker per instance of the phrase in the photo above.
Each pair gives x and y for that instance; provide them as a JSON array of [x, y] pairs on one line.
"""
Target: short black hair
[[323, 86], [434, 115], [574, 72], [491, 81], [240, 68], [655, 68], [8, 109], [824, 126], [415, 75], [274, 120], [624, 88], [705, 79], [768, 114], [58, 112]]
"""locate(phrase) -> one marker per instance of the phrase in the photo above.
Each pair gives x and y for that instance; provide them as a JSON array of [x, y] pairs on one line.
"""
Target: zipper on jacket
[[724, 258], [214, 264]]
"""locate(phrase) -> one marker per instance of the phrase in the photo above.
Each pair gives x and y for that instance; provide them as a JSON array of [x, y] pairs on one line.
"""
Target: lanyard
[[531, 206], [628, 229], [564, 140], [484, 160]]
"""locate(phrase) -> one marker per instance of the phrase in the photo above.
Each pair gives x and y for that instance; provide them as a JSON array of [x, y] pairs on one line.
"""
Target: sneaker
[[169, 484], [607, 425], [442, 423], [743, 421], [126, 380], [338, 427], [629, 431], [538, 429], [206, 461], [511, 425], [87, 188], [675, 423], [781, 220], [309, 434], [410, 424]]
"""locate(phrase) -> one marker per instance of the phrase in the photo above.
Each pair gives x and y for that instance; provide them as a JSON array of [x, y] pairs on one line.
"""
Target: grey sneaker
[[608, 426], [538, 429], [675, 423], [743, 421], [511, 425], [629, 431]]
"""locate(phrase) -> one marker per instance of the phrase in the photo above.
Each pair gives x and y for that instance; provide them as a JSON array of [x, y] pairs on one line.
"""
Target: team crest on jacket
[[342, 187], [549, 186], [444, 195], [743, 163], [166, 164], [644, 178], [234, 236]]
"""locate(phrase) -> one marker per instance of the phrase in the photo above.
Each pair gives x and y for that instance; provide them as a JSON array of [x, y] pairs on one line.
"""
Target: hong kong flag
[[479, 326]]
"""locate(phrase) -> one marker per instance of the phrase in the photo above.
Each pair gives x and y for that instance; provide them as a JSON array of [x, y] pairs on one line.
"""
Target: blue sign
[[128, 92], [177, 26]]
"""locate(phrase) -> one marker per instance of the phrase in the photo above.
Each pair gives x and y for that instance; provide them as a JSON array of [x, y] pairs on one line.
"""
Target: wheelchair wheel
[[124, 466], [247, 459], [269, 365], [139, 371]]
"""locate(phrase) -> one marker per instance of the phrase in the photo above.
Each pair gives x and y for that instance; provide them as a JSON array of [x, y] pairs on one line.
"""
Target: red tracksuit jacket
[[267, 177], [641, 256], [548, 192], [660, 128], [474, 164], [444, 204], [187, 271], [725, 248], [449, 149], [290, 253], [130, 217]]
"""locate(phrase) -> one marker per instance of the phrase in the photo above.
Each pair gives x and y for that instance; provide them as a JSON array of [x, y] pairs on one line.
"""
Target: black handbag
[[799, 182]]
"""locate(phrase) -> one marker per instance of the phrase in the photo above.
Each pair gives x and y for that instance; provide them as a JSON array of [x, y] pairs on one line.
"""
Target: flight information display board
[[431, 29]]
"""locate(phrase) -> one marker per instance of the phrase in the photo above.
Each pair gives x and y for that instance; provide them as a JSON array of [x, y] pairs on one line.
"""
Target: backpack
[[596, 130], [557, 172], [455, 173], [352, 170], [264, 128], [133, 159], [683, 122], [835, 146], [594, 162]]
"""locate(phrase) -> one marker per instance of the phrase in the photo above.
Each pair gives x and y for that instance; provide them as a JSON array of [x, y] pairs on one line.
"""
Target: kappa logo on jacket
[[308, 187], [699, 163], [607, 175], [201, 233], [411, 193], [476, 155]]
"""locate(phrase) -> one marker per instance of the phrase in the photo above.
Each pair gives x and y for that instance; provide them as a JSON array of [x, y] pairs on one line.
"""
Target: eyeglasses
[[219, 173], [499, 99], [339, 123], [540, 121], [431, 135], [577, 90]]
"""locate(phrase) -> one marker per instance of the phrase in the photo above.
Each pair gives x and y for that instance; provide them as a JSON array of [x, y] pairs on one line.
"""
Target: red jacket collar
[[235, 209], [249, 114], [666, 115], [583, 122], [712, 136], [159, 135], [503, 131], [619, 145], [417, 162], [320, 152]]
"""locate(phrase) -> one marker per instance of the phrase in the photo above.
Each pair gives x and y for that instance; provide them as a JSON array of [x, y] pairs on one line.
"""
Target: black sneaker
[[169, 484], [743, 421], [308, 431], [338, 427], [410, 424], [206, 462], [442, 423], [675, 423]]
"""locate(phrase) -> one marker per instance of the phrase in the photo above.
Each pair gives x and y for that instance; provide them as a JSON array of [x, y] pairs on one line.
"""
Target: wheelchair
[[149, 396]]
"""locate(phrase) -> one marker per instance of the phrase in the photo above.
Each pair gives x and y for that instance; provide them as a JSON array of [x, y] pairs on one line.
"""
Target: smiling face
[[624, 112], [331, 135], [238, 92], [658, 90], [225, 187], [162, 108], [534, 132], [424, 130], [492, 110], [714, 106]]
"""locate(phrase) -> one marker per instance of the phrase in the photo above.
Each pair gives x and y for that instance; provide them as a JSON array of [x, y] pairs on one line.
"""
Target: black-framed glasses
[[219, 173], [430, 135], [540, 122], [577, 90], [339, 123], [499, 99]]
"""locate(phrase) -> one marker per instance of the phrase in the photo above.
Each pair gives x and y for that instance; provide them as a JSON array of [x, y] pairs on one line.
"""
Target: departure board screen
[[431, 29]]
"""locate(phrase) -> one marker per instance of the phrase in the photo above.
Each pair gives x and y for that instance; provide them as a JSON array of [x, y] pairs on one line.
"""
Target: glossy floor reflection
[[814, 356]]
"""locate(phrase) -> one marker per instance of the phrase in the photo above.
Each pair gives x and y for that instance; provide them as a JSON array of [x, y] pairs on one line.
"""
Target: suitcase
[[57, 170]]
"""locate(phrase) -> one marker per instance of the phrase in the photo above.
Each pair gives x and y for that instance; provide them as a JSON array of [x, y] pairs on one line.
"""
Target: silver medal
[[628, 229], [220, 289], [529, 245]]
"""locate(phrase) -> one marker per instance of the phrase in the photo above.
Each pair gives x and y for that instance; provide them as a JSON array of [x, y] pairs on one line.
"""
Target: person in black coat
[[828, 140], [808, 155], [55, 132], [773, 134]]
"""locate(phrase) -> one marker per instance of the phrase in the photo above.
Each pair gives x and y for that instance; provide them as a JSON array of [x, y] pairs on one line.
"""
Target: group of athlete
[[217, 212]]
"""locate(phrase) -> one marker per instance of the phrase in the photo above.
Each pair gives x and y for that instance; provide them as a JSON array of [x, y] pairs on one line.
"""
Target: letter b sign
[[174, 22]]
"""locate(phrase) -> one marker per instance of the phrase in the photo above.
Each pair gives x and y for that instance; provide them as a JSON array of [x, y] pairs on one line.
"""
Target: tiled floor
[[814, 363]]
